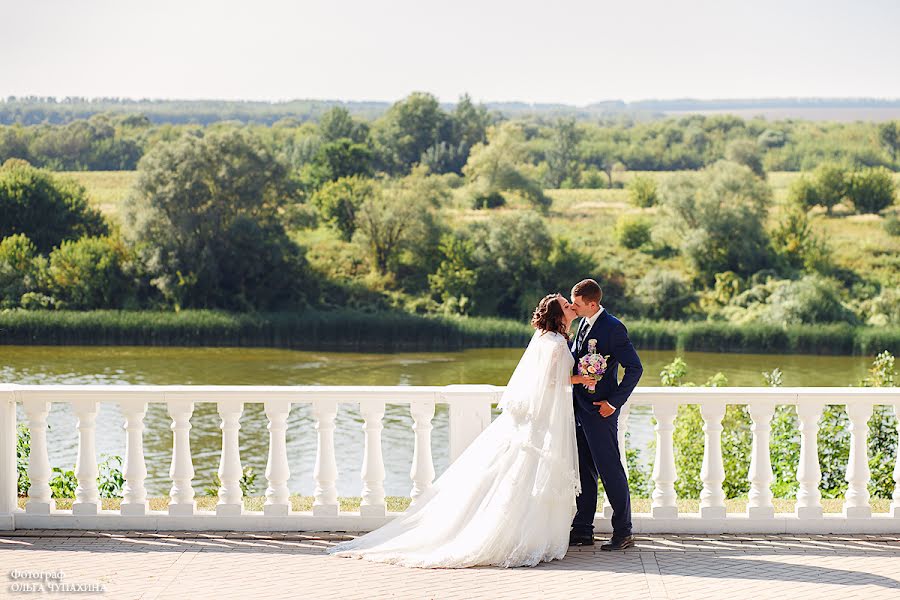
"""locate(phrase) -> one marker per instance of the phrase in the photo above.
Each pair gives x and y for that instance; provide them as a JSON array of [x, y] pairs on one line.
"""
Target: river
[[256, 366]]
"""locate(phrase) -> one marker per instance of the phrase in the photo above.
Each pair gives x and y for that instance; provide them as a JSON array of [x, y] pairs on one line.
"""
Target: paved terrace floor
[[273, 565]]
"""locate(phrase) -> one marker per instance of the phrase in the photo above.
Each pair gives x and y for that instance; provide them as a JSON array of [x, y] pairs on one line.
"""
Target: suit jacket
[[612, 339]]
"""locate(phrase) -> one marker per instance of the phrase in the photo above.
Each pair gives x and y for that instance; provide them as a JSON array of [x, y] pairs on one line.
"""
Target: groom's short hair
[[589, 290]]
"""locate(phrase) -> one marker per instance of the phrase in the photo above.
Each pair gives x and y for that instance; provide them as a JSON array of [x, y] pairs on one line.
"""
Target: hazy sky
[[568, 51]]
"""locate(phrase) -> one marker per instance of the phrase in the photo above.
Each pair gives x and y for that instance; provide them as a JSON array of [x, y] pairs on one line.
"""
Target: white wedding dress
[[508, 500]]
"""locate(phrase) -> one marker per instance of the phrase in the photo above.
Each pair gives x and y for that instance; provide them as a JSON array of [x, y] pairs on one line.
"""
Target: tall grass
[[344, 330]]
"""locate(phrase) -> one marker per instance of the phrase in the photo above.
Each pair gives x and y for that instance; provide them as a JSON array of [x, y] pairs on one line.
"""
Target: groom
[[597, 418]]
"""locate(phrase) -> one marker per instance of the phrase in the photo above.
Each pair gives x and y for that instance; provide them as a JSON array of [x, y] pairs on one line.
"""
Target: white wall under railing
[[470, 413]]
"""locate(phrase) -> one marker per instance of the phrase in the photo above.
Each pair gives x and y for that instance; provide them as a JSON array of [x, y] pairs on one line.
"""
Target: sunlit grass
[[105, 189]]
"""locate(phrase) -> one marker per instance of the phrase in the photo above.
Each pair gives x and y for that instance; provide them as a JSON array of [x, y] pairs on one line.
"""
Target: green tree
[[337, 123], [46, 208], [745, 152], [339, 202], [717, 219], [663, 294], [871, 190], [562, 157], [632, 231], [889, 135], [200, 203], [498, 166], [409, 128], [832, 183], [334, 160]]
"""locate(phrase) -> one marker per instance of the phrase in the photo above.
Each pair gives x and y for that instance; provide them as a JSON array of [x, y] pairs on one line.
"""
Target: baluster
[[372, 473], [325, 471], [856, 500], [622, 430], [809, 474], [469, 416], [38, 461], [87, 497], [8, 470], [664, 505], [895, 504], [712, 473], [760, 474], [231, 501], [277, 470], [422, 472], [134, 495], [181, 471]]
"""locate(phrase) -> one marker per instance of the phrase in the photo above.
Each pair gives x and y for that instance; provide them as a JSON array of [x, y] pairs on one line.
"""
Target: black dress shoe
[[576, 539], [619, 543]]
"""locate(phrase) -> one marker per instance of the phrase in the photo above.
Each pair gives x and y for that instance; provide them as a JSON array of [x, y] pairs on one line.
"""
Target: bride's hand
[[582, 380]]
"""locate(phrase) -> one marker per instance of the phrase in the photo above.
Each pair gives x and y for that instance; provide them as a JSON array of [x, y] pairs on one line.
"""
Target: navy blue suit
[[597, 436]]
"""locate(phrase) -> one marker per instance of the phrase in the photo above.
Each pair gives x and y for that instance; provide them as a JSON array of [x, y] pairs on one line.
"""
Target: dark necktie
[[582, 333]]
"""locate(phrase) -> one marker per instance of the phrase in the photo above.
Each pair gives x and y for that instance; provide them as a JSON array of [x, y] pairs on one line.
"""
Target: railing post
[[622, 429], [422, 472], [277, 470], [895, 504], [9, 475], [760, 505], [181, 472], [325, 471], [809, 473], [664, 505], [134, 495], [372, 473], [38, 462], [712, 473], [87, 497], [856, 500], [231, 501]]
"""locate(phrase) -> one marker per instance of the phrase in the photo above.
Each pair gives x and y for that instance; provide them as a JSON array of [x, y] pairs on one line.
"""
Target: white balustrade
[[38, 461], [895, 504], [856, 500], [422, 472], [372, 473], [469, 415], [809, 474], [325, 501], [134, 495], [277, 470], [759, 505], [87, 496], [712, 473], [181, 472], [231, 498], [664, 505]]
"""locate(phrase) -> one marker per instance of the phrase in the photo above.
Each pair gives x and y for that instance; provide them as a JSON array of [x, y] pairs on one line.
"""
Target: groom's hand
[[606, 408]]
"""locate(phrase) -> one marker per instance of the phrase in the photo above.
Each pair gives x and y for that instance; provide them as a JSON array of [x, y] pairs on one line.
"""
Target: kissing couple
[[526, 488]]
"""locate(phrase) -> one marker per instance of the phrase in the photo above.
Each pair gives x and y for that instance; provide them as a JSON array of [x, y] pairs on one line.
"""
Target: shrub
[[23, 450], [745, 152], [832, 183], [632, 231], [663, 294], [339, 201], [642, 191], [89, 273], [892, 226], [813, 299], [871, 190], [19, 269]]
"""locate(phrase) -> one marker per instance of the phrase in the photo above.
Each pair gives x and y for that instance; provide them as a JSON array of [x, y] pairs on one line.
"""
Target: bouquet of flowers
[[592, 364]]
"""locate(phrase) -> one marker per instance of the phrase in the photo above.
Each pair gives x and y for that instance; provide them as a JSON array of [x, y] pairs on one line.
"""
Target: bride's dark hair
[[549, 316]]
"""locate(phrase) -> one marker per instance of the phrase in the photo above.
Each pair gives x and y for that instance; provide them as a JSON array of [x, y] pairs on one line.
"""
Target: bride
[[508, 500]]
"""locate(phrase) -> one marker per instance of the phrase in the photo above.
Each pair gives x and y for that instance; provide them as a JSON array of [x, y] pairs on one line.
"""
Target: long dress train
[[508, 500]]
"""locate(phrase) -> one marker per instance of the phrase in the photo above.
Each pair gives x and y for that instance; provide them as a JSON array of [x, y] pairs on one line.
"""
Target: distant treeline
[[34, 110], [354, 331]]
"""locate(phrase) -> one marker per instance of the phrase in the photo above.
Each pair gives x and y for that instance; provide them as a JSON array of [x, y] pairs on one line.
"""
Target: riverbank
[[401, 332]]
